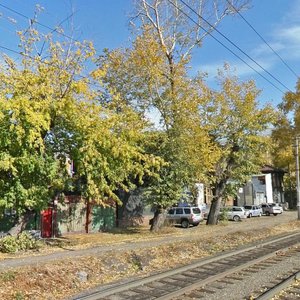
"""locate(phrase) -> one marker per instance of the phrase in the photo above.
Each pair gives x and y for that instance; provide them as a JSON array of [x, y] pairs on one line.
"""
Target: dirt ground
[[75, 263]]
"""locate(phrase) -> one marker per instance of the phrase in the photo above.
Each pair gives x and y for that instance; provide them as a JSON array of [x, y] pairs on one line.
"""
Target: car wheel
[[267, 213], [185, 223], [275, 214], [250, 215], [236, 218]]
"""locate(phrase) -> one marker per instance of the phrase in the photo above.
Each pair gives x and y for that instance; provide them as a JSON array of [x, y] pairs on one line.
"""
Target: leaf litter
[[59, 279]]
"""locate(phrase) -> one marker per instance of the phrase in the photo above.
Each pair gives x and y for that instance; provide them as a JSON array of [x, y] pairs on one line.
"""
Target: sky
[[105, 22]]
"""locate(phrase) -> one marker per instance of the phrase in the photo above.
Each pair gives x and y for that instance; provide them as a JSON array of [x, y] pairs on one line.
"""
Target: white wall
[[200, 194], [269, 192]]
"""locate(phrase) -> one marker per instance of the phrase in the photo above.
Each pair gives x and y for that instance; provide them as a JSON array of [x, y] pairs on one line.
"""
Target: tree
[[238, 128], [286, 130], [50, 112], [153, 74]]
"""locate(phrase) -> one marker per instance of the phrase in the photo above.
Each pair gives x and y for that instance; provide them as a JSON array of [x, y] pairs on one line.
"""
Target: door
[[46, 223]]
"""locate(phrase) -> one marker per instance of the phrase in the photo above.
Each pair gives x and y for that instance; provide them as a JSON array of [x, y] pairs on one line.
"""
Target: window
[[187, 211], [171, 211], [196, 210], [179, 211], [236, 209]]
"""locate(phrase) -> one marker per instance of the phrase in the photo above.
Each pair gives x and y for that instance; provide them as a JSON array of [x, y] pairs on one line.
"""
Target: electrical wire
[[71, 38], [46, 63], [47, 27], [233, 44], [37, 22], [10, 50], [261, 37], [231, 51]]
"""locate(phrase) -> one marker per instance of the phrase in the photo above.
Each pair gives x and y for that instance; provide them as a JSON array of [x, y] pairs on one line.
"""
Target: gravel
[[255, 282]]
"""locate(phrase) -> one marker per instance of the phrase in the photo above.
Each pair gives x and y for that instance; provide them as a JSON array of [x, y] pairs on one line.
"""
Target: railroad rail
[[193, 281], [286, 289]]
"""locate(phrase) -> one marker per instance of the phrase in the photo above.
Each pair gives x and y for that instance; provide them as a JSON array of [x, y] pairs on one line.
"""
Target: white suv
[[184, 216]]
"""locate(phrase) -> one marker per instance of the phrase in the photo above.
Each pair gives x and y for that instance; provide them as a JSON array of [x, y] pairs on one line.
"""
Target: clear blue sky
[[105, 22]]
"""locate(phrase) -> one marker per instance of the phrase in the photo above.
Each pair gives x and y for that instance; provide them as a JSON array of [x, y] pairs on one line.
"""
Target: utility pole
[[297, 176]]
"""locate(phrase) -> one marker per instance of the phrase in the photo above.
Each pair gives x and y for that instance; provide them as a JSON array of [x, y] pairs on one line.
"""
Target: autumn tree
[[237, 125], [153, 75], [284, 134], [51, 112]]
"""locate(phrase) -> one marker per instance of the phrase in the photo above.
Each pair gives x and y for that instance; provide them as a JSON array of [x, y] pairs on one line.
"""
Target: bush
[[224, 214], [21, 242]]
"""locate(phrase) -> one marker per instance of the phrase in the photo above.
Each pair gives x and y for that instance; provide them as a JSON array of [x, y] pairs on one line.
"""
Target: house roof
[[270, 169]]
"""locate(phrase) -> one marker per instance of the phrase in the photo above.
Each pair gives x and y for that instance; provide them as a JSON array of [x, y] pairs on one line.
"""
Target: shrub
[[224, 214], [21, 242], [26, 241], [8, 244]]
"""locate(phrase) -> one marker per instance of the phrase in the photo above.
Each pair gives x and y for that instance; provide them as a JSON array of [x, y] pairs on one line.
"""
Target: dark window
[[262, 180], [187, 210], [179, 211], [196, 210], [236, 209], [171, 211]]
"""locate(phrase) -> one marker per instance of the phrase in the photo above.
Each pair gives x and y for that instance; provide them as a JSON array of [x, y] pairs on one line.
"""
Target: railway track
[[205, 279], [287, 289]]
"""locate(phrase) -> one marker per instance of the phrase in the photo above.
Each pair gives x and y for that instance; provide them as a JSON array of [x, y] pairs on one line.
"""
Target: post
[[297, 176], [54, 218]]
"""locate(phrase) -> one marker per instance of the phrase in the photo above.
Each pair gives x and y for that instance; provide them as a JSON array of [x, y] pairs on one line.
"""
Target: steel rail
[[269, 245], [279, 287]]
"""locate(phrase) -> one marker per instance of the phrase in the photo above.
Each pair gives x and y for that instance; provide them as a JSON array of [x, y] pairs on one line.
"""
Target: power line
[[45, 26], [54, 30], [248, 23], [231, 51], [42, 61], [232, 43], [10, 50], [39, 23]]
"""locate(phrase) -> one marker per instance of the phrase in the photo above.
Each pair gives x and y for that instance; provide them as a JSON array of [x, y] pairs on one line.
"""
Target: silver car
[[271, 209], [253, 211], [184, 216], [235, 213]]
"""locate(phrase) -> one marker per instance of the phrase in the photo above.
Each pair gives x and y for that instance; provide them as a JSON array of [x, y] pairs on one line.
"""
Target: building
[[266, 187]]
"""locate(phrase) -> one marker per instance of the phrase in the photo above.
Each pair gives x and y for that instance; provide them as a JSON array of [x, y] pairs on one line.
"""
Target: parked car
[[185, 216], [278, 207], [253, 211], [235, 213], [271, 209]]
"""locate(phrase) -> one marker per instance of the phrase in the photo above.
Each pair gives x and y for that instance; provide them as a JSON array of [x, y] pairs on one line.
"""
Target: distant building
[[266, 187]]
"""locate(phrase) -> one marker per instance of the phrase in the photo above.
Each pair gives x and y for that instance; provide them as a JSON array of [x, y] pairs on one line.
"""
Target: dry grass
[[59, 279]]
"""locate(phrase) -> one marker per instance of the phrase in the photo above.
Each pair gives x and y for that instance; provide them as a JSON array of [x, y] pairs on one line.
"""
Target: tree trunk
[[216, 203], [21, 222], [87, 217], [213, 215], [158, 220]]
